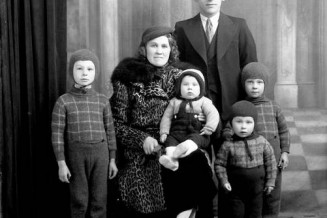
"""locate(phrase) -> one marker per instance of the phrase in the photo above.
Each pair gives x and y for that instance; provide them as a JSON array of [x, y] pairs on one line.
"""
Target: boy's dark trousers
[[246, 197], [271, 203], [88, 164]]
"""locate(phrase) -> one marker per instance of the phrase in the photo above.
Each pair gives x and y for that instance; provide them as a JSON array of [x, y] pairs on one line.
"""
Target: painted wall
[[290, 37]]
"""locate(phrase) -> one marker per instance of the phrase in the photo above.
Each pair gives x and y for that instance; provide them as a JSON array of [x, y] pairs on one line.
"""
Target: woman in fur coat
[[142, 88]]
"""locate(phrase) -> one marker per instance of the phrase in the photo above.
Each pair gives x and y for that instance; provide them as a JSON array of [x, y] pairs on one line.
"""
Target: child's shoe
[[184, 149], [168, 162], [187, 214]]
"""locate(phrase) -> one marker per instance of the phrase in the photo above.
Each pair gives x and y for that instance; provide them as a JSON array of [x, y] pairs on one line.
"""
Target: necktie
[[209, 31]]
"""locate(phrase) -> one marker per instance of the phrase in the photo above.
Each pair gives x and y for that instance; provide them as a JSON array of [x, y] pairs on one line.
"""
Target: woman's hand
[[64, 173], [149, 144], [113, 170], [283, 161]]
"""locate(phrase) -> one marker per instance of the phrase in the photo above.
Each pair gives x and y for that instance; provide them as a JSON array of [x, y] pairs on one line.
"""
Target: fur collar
[[133, 70]]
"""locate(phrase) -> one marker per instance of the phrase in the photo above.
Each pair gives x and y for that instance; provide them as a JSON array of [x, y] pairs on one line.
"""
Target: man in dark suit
[[232, 47], [220, 46]]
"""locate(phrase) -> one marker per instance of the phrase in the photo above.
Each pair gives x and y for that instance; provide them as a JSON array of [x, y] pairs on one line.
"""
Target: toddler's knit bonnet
[[244, 109], [255, 70], [197, 75]]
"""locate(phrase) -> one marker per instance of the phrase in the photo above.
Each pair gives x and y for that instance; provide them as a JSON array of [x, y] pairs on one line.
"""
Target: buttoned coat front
[[235, 49]]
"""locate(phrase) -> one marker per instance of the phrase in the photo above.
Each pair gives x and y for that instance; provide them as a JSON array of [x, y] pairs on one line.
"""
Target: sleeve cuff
[[60, 156], [287, 150], [271, 183], [112, 154]]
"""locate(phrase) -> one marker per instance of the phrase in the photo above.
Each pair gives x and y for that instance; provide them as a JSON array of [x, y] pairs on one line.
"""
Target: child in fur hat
[[180, 128], [246, 164], [271, 124], [83, 138]]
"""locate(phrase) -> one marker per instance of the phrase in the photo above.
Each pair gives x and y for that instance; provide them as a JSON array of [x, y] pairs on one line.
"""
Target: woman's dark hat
[[154, 32]]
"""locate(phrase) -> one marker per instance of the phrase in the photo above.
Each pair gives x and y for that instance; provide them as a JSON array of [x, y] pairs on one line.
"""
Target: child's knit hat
[[83, 55], [197, 75], [255, 70], [154, 32], [244, 109]]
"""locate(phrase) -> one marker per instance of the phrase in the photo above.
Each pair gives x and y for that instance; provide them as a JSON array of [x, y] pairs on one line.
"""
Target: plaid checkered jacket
[[234, 154], [271, 124], [82, 116]]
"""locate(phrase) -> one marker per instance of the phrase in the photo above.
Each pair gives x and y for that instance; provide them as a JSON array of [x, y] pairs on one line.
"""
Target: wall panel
[[290, 37]]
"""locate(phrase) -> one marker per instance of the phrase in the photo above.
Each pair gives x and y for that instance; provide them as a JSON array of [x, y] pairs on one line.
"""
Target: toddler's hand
[[205, 131], [227, 186], [202, 117], [163, 138], [268, 190], [113, 170]]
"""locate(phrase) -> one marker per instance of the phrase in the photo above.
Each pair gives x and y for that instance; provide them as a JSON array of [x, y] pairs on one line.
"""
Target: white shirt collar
[[214, 20]]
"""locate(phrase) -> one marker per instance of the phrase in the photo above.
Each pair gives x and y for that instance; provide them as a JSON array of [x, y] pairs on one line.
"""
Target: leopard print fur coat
[[141, 93]]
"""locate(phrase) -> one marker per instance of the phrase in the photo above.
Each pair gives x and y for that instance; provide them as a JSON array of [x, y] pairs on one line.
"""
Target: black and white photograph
[[163, 109]]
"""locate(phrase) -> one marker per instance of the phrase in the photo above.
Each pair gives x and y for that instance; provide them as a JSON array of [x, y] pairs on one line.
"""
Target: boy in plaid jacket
[[245, 164], [83, 139], [271, 124]]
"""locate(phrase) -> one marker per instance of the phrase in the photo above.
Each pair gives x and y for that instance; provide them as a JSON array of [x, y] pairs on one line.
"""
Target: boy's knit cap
[[154, 32], [84, 55], [255, 70], [190, 72], [244, 109]]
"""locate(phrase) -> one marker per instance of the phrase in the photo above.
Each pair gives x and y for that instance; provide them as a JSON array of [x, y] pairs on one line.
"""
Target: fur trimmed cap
[[154, 32], [84, 55], [244, 109], [197, 75], [255, 70]]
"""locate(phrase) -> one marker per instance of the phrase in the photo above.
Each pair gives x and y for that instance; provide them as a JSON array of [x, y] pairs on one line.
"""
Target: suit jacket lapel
[[226, 31], [196, 37]]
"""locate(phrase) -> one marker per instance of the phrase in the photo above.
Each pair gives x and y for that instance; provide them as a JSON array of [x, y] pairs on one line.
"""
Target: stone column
[[286, 88], [109, 51], [322, 87], [306, 54]]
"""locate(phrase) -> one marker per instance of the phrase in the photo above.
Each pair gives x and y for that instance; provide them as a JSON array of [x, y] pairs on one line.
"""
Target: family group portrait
[[163, 109]]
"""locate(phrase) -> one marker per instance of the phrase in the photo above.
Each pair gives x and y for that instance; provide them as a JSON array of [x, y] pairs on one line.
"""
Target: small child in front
[[180, 128], [271, 124], [245, 164], [83, 138]]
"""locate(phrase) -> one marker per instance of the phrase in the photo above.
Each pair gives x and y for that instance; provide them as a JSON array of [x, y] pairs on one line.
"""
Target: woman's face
[[158, 51]]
